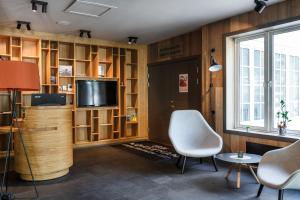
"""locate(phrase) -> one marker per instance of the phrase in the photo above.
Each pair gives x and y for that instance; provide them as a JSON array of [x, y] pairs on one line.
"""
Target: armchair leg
[[280, 194], [183, 165], [201, 160], [214, 162], [178, 161], [261, 187]]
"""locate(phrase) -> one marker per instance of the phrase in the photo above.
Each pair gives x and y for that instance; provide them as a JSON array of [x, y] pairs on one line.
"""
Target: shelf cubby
[[83, 126], [90, 125], [30, 48], [4, 45]]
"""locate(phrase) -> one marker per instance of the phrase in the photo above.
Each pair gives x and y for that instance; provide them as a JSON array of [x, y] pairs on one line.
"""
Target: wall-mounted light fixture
[[132, 40], [35, 4], [27, 24], [214, 67], [82, 32], [260, 5]]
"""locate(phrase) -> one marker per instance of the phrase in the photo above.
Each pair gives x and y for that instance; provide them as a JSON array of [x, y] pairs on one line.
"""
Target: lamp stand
[[4, 194]]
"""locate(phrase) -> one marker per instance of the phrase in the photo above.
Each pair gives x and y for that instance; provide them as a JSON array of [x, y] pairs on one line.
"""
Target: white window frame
[[269, 88]]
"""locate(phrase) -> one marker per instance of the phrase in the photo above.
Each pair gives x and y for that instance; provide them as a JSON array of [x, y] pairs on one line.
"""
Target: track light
[[35, 3], [20, 23], [82, 32], [28, 27], [132, 40], [44, 9], [34, 7], [260, 5]]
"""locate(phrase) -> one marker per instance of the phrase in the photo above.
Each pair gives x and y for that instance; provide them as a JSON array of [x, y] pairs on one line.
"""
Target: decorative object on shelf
[[64, 88], [53, 79], [65, 70], [131, 117], [70, 88], [282, 118], [101, 71], [17, 76]]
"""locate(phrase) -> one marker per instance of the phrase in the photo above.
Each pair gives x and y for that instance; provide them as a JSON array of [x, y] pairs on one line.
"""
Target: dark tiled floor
[[111, 173]]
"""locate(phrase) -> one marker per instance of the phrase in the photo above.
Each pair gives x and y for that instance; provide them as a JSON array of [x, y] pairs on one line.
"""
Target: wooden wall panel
[[213, 34], [191, 46], [212, 37]]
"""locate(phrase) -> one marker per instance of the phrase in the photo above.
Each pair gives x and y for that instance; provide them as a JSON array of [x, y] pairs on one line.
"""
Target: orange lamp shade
[[22, 76]]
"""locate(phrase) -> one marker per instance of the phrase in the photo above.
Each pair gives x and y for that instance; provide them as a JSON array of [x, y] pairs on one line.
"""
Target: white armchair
[[191, 136], [280, 169]]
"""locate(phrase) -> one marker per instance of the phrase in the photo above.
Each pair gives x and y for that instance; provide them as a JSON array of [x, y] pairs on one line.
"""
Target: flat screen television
[[91, 93]]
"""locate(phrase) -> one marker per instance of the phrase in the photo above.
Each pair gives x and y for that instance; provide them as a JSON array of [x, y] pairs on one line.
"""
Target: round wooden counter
[[47, 134]]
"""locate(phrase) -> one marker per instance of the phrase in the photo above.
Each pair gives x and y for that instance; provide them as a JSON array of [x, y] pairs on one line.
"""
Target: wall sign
[[183, 83], [170, 51]]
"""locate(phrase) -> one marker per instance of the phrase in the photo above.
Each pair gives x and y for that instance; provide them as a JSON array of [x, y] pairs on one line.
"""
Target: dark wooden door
[[164, 95]]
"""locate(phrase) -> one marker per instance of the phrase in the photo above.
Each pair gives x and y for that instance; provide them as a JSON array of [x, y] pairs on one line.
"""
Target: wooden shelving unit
[[90, 125]]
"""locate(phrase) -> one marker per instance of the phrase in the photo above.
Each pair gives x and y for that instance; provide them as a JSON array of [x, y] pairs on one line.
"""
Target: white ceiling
[[150, 20]]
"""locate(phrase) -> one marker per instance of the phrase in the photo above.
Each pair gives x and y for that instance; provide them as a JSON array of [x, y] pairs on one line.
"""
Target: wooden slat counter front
[[47, 133]]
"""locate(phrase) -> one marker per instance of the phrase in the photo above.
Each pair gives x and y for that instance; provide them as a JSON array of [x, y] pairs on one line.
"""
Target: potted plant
[[282, 118]]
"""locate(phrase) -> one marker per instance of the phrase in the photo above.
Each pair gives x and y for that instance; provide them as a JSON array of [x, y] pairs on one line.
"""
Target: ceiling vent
[[91, 8]]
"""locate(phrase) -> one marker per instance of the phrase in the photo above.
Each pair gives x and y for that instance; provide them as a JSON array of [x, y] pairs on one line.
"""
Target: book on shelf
[[65, 70]]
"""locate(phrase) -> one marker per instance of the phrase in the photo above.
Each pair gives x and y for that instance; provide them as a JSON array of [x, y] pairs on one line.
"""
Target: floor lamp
[[16, 76], [214, 67]]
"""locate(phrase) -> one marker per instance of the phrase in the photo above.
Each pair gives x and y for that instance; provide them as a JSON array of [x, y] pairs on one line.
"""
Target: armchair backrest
[[188, 128]]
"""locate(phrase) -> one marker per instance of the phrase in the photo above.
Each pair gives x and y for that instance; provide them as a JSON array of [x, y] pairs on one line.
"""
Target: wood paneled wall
[[190, 43], [212, 37]]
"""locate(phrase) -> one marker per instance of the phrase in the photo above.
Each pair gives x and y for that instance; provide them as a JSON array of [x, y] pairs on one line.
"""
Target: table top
[[233, 158]]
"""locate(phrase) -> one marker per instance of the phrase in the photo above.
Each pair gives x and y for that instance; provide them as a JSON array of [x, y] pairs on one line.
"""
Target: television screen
[[97, 93]]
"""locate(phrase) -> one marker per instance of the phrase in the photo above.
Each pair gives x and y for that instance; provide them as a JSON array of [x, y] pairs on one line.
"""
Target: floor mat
[[151, 149]]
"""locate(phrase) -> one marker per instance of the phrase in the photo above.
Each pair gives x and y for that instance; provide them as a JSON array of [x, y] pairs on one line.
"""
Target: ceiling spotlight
[[132, 40], [34, 7], [260, 5], [28, 27], [35, 3], [82, 32], [20, 23]]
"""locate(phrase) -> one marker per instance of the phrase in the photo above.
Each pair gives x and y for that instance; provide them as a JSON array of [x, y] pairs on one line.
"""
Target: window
[[267, 71], [251, 89]]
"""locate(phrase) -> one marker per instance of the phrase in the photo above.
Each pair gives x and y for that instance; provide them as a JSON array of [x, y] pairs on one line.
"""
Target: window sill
[[289, 137]]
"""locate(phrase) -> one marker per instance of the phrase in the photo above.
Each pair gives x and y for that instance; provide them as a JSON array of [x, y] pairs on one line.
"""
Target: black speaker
[[48, 99]]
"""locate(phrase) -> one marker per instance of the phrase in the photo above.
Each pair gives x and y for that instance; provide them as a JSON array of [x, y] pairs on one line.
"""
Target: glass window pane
[[257, 58], [251, 82], [286, 76], [245, 57]]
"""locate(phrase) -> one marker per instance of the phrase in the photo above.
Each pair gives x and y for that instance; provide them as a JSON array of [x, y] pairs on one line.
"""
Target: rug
[[152, 149]]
